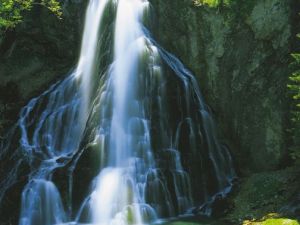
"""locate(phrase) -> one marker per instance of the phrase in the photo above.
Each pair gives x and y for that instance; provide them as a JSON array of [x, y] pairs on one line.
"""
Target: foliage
[[11, 11], [211, 3], [217, 3], [238, 8], [271, 219], [294, 87], [264, 192]]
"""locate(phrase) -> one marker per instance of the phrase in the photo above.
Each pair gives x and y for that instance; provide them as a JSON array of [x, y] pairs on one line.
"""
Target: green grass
[[279, 221]]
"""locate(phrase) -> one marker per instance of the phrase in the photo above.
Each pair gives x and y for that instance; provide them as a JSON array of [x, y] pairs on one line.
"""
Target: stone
[[240, 55]]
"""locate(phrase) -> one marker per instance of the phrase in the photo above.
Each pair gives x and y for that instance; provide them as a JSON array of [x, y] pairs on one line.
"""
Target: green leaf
[[11, 11]]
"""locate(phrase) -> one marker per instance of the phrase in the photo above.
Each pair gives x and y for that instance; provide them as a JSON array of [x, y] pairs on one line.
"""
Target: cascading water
[[135, 109]]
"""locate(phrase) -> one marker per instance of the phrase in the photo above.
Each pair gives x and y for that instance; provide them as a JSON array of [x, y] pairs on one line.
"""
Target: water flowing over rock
[[128, 130]]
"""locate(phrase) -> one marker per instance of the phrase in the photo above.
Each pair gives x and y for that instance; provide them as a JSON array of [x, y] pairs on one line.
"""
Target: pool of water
[[191, 221]]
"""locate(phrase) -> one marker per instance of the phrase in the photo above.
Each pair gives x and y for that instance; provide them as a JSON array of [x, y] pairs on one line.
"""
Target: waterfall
[[87, 60], [125, 139]]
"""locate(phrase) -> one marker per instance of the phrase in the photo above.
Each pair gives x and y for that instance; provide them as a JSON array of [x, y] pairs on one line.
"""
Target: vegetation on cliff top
[[11, 11], [216, 3]]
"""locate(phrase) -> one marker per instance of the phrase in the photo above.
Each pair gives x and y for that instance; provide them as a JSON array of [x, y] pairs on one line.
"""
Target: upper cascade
[[126, 138]]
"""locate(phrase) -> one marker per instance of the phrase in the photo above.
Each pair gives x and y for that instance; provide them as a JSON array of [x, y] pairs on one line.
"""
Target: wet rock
[[240, 55], [39, 52], [266, 192], [292, 209], [221, 206]]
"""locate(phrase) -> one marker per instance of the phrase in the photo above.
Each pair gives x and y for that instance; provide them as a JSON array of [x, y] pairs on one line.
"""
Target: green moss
[[130, 216], [242, 4], [280, 222], [272, 221], [210, 3], [263, 193]]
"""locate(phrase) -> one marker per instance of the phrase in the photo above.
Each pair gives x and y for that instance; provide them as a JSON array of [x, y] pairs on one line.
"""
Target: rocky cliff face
[[40, 51], [240, 55]]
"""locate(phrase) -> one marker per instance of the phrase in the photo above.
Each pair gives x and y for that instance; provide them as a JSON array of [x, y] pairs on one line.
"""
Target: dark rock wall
[[240, 55], [41, 50]]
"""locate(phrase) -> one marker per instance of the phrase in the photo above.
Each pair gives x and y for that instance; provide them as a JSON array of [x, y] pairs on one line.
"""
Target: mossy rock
[[273, 221], [263, 193], [239, 53]]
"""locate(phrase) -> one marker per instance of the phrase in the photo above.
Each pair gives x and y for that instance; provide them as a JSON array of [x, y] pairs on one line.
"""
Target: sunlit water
[[159, 154]]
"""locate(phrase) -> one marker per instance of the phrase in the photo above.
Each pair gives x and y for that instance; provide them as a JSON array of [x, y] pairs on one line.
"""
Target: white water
[[87, 60], [68, 104], [48, 147], [119, 195]]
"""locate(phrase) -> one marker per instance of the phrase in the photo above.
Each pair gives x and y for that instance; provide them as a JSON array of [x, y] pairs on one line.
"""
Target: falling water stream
[[137, 110]]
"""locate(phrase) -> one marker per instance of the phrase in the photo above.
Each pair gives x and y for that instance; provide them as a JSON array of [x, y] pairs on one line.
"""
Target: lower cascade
[[126, 138]]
